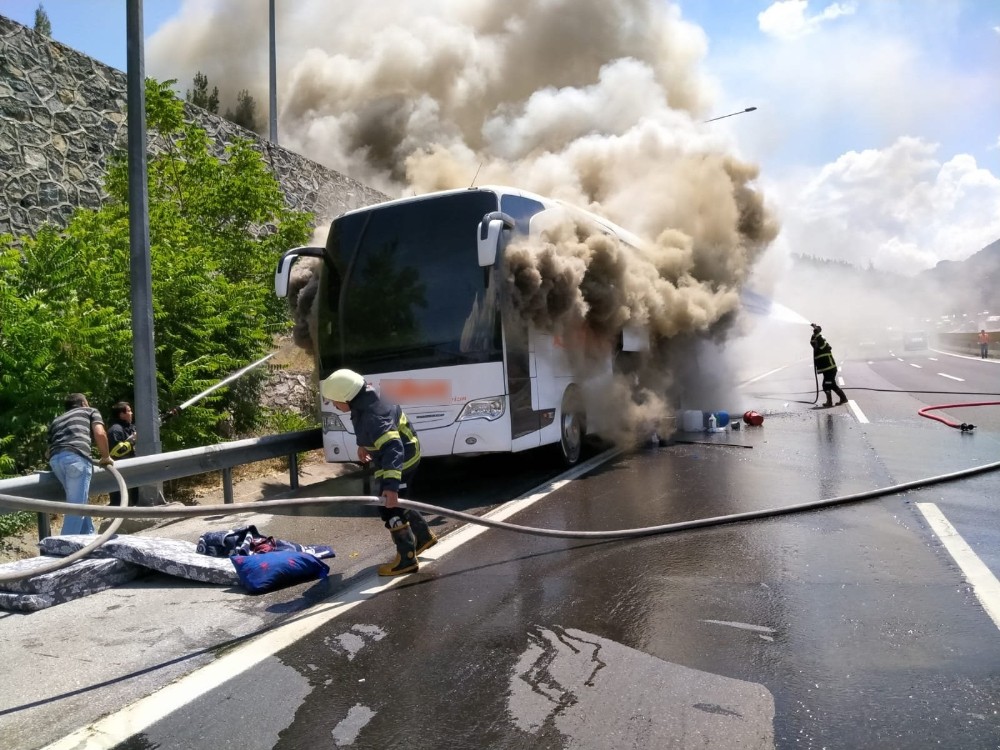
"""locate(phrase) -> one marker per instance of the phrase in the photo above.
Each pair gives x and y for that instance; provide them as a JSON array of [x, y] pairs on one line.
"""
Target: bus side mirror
[[490, 234], [284, 269]]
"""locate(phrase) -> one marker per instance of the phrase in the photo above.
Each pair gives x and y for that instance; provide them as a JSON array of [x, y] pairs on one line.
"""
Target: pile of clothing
[[247, 540], [264, 563]]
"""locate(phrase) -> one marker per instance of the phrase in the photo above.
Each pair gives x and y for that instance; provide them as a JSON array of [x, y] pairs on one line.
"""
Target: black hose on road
[[64, 562], [316, 506]]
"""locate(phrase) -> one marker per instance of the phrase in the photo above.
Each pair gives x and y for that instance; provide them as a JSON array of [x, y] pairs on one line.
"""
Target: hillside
[[969, 286]]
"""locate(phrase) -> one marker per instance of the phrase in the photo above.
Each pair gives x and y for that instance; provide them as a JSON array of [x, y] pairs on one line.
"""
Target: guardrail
[[968, 342], [148, 470]]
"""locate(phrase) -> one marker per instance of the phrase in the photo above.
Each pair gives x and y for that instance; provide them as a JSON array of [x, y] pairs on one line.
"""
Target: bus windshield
[[405, 290]]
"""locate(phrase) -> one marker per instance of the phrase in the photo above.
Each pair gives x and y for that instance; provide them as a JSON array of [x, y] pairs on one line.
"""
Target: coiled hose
[[64, 562], [318, 506]]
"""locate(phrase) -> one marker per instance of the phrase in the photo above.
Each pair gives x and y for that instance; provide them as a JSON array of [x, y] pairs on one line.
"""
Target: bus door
[[524, 420]]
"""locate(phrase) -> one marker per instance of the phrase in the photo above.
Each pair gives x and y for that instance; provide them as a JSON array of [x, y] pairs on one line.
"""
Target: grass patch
[[16, 523]]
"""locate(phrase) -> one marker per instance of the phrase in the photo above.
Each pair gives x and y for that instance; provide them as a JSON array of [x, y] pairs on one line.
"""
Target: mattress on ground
[[79, 579], [174, 557]]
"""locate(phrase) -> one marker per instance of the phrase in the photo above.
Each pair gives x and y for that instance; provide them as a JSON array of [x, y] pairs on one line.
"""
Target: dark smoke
[[597, 103]]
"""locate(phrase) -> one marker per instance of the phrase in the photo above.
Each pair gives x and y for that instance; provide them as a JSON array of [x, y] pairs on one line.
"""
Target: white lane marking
[[858, 414], [951, 377], [741, 625], [933, 359], [900, 359], [766, 374], [915, 365], [467, 533], [984, 584], [115, 729], [969, 356]]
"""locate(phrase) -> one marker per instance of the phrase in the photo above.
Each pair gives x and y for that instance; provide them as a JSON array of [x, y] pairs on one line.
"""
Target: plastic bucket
[[693, 421]]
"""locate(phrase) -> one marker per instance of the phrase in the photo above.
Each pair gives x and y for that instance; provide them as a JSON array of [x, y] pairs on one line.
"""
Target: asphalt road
[[854, 626]]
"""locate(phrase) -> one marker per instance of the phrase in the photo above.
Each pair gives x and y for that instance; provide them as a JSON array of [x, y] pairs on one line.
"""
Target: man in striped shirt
[[70, 455]]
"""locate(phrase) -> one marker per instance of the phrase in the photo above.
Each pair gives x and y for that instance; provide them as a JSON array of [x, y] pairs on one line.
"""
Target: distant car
[[914, 341]]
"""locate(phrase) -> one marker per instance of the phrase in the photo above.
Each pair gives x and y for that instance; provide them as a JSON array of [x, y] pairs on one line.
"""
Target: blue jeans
[[74, 472]]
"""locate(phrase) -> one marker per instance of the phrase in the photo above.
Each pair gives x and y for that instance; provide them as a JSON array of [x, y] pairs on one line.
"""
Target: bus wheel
[[572, 427]]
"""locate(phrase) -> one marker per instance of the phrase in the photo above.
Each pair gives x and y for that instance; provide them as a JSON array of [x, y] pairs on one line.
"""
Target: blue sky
[[95, 27], [878, 123], [935, 63]]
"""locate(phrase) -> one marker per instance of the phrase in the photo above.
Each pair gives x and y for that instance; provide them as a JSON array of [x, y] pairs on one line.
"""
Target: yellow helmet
[[343, 385]]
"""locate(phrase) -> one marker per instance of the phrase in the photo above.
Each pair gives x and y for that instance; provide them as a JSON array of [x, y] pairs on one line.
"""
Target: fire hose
[[924, 412], [319, 506]]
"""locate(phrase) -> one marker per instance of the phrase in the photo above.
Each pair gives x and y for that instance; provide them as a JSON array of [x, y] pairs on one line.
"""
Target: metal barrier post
[[227, 486], [44, 529], [293, 471]]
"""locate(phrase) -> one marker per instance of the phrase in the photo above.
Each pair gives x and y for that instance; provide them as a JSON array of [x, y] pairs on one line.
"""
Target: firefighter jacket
[[385, 432], [119, 438], [823, 359]]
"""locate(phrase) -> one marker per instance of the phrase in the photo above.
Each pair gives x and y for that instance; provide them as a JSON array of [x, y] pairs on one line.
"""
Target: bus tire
[[572, 426]]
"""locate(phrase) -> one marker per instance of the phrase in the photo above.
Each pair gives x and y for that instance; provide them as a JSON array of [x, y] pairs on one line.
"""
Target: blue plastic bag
[[270, 571]]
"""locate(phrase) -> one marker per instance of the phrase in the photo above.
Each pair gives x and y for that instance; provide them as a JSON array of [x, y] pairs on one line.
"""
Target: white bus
[[410, 295]]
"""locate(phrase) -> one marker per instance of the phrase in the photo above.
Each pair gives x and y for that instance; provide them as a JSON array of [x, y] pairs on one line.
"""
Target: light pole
[[140, 271], [731, 114], [273, 78]]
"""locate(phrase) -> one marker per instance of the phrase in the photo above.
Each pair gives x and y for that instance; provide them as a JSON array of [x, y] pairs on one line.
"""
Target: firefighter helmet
[[343, 385]]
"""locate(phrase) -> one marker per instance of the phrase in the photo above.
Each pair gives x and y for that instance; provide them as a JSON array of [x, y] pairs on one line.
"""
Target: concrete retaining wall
[[63, 114]]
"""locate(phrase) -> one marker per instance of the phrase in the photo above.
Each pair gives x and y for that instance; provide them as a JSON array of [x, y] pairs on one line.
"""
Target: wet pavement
[[845, 627]]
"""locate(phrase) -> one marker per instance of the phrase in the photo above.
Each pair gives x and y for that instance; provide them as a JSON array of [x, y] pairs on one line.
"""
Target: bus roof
[[502, 190]]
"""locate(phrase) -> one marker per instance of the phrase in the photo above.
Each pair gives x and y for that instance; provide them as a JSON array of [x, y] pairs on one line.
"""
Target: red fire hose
[[964, 426]]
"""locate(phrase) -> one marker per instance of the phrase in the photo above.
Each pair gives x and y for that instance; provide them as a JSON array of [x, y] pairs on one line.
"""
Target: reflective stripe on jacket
[[823, 359], [386, 433]]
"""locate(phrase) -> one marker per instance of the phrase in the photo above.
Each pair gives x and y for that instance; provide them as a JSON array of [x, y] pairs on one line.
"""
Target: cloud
[[898, 209], [787, 19]]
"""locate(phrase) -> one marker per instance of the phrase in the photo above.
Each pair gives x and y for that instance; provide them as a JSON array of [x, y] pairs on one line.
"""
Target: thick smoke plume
[[598, 103]]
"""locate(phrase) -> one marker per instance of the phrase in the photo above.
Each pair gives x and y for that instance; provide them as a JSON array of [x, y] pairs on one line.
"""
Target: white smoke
[[599, 103]]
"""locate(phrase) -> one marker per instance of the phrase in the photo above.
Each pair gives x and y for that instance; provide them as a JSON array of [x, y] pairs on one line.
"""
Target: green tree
[[42, 24], [245, 114], [217, 227], [200, 96]]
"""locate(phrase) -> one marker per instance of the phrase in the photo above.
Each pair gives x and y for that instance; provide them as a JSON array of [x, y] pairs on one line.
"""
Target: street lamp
[[731, 114], [140, 265], [272, 98]]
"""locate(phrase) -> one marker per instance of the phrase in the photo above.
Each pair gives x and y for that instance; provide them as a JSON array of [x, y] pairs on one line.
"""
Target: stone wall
[[63, 115], [287, 390]]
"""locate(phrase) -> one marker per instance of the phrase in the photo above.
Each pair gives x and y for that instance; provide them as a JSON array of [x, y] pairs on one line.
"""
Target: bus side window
[[520, 210]]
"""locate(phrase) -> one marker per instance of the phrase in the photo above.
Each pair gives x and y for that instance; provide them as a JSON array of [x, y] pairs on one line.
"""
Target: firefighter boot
[[842, 396], [406, 552], [829, 400], [421, 531]]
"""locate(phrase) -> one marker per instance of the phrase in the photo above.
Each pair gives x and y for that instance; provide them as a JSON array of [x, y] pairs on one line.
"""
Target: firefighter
[[825, 364], [122, 437], [386, 440]]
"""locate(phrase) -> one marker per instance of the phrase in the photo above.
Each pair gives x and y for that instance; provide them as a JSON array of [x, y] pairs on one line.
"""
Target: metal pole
[[720, 117], [227, 486], [273, 101], [143, 351]]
